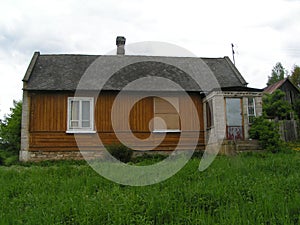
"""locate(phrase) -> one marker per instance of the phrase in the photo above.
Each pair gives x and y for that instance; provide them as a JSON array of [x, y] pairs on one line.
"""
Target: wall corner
[[24, 151]]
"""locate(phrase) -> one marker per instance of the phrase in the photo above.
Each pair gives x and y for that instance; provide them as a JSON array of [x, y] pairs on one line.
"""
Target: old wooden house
[[288, 127], [60, 107], [292, 93]]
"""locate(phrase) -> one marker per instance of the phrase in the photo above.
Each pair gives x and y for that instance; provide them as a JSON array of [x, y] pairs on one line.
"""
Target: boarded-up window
[[251, 109], [209, 114], [80, 114], [166, 116]]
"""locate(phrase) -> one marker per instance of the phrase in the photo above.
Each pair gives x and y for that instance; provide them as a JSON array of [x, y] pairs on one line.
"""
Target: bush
[[267, 133], [120, 152], [8, 158], [275, 107], [148, 159], [1, 160]]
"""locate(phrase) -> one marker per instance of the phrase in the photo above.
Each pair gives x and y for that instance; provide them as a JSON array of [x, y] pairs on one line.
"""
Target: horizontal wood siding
[[48, 123], [66, 142]]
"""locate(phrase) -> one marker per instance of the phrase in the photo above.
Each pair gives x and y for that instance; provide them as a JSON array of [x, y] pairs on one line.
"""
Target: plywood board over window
[[166, 117]]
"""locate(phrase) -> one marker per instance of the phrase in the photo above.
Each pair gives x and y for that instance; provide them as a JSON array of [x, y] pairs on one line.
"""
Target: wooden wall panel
[[48, 122], [48, 112], [188, 118], [103, 112], [141, 115]]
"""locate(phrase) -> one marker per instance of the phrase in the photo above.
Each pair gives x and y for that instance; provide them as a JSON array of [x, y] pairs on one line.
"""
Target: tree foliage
[[278, 73], [10, 128], [266, 130], [274, 105], [267, 133], [295, 76]]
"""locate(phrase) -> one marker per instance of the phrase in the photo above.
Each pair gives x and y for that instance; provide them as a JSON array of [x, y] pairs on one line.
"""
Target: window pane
[[74, 124], [74, 110], [233, 112], [251, 111], [85, 110], [250, 102], [86, 123]]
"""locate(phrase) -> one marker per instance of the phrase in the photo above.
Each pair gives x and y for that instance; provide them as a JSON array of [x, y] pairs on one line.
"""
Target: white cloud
[[263, 31]]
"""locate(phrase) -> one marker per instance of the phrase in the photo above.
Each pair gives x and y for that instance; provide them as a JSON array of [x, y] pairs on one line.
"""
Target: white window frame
[[81, 129], [168, 99], [254, 109]]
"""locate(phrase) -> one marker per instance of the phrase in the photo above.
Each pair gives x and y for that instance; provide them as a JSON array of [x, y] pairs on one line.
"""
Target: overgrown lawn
[[246, 189]]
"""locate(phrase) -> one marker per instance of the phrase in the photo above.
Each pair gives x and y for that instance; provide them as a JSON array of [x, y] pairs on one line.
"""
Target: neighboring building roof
[[63, 72], [270, 89]]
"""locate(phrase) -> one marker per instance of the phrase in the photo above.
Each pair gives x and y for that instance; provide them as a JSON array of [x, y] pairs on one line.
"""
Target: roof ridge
[[68, 54], [146, 56]]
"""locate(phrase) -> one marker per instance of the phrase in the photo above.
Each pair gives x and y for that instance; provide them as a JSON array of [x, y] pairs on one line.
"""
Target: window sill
[[166, 131], [81, 132]]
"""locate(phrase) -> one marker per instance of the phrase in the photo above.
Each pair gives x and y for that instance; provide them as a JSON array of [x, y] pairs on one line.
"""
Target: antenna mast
[[233, 52]]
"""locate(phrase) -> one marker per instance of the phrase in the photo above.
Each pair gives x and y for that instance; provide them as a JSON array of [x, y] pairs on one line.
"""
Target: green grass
[[245, 189], [294, 145]]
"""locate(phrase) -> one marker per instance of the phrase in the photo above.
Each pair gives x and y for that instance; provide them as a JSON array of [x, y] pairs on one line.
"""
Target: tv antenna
[[233, 52]]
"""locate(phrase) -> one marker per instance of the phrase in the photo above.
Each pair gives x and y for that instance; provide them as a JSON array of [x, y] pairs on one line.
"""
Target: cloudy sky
[[263, 31]]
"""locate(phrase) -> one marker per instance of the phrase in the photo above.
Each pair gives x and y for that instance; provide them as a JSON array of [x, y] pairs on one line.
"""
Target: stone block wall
[[23, 156], [37, 156]]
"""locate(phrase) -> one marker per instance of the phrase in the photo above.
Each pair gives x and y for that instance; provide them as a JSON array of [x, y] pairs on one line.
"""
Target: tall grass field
[[260, 188]]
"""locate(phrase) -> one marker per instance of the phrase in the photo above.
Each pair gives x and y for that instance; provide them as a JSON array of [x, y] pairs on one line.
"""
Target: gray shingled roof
[[63, 72]]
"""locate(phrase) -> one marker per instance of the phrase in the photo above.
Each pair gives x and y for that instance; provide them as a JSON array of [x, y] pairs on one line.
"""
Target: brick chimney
[[120, 42]]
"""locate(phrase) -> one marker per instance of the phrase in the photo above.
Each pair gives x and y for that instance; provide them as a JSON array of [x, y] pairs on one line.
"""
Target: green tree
[[10, 128], [278, 73], [295, 76], [274, 105]]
